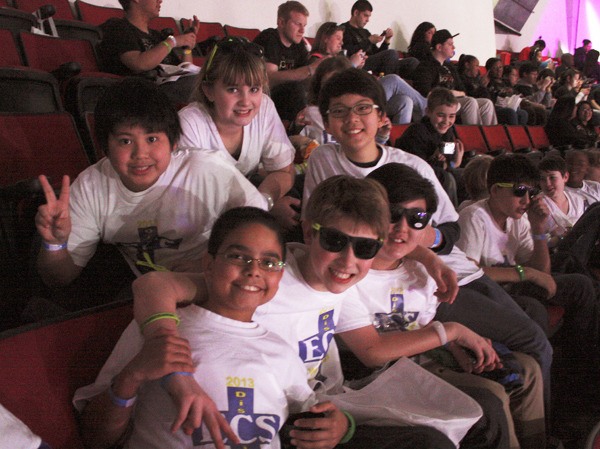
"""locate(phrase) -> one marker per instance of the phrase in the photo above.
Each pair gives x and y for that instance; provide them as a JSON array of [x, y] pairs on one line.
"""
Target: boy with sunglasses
[[397, 295], [347, 221], [351, 104], [505, 235]]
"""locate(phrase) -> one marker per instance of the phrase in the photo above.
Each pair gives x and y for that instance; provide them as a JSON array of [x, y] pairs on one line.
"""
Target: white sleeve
[[128, 346], [277, 150], [525, 248], [314, 174], [190, 128], [472, 234], [354, 313]]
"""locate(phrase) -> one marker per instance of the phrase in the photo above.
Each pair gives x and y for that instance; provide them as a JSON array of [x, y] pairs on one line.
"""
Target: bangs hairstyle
[[513, 168], [329, 65], [231, 67], [404, 183], [553, 163], [440, 96], [135, 102], [475, 176], [362, 201], [351, 81], [238, 217]]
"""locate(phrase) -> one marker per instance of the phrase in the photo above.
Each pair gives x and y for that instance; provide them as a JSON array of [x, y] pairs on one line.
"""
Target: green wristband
[[159, 316], [521, 271], [351, 428]]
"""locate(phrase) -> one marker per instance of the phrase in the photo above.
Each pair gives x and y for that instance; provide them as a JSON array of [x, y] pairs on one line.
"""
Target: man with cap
[[438, 71]]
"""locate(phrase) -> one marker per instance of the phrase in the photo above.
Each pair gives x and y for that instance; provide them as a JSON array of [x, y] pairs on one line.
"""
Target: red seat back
[[42, 368], [397, 131], [497, 138], [160, 23], [518, 137], [538, 137], [472, 138], [206, 30], [35, 144], [49, 53], [248, 33], [63, 8], [96, 15], [9, 56]]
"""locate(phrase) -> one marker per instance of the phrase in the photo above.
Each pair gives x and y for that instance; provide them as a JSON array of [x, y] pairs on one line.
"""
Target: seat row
[[493, 139]]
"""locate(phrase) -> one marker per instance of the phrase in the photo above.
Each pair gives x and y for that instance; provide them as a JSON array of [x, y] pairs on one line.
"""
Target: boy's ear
[[566, 177], [174, 147], [307, 232], [206, 263]]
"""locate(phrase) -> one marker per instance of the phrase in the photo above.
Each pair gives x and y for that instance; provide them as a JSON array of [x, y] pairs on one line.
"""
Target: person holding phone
[[433, 140], [381, 58]]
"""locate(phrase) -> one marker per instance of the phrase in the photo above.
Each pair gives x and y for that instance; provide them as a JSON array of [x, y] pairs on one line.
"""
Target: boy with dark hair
[[577, 165], [130, 47], [127, 198], [380, 59], [532, 89], [505, 236], [349, 103]]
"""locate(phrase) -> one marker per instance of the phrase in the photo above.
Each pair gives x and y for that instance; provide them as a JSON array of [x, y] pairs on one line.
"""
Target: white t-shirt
[[591, 188], [330, 160], [392, 300], [316, 129], [252, 375], [307, 319], [265, 140], [482, 239], [168, 223], [558, 222]]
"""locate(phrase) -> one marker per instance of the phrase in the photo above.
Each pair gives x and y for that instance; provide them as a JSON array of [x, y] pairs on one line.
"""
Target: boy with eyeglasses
[[351, 104], [347, 221], [505, 235]]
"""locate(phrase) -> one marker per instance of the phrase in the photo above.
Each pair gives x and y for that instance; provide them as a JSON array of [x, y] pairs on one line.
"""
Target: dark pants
[[387, 62], [371, 437], [485, 308]]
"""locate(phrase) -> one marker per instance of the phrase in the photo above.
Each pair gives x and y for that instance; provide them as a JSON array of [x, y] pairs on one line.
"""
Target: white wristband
[[54, 247], [173, 40], [441, 331], [270, 202]]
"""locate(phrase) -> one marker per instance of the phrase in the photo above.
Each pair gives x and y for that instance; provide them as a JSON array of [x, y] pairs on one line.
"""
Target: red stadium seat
[[397, 131], [63, 8], [497, 138], [28, 90], [96, 15], [538, 137], [518, 137], [472, 138], [248, 33], [10, 54], [161, 23]]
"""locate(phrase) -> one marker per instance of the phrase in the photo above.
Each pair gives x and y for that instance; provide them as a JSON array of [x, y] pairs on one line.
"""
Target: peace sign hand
[[52, 220]]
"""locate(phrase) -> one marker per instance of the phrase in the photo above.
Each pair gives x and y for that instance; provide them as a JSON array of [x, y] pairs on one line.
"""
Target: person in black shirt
[[381, 59]]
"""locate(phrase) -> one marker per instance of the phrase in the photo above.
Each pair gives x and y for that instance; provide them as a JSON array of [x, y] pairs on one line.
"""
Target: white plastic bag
[[407, 395]]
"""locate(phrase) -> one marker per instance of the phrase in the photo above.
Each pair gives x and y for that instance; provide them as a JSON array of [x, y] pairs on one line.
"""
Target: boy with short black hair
[[577, 165], [128, 198]]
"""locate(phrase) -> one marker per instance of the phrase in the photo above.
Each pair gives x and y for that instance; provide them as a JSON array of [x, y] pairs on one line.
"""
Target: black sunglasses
[[415, 217], [520, 190], [335, 241], [232, 44]]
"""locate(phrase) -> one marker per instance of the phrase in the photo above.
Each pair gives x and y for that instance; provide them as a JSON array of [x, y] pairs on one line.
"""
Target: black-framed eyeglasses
[[271, 264], [335, 241], [232, 44], [520, 190], [341, 111], [415, 217]]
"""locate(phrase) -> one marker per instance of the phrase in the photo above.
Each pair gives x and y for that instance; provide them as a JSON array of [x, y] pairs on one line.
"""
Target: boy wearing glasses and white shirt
[[505, 235]]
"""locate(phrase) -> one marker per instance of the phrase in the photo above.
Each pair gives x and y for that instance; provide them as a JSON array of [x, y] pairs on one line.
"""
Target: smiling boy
[[129, 197]]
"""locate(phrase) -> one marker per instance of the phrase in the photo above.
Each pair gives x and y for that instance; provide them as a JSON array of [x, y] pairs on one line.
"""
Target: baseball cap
[[441, 36]]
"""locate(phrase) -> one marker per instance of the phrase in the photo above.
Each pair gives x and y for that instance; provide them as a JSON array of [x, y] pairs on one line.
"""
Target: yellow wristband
[[521, 271], [187, 51], [166, 44], [159, 316]]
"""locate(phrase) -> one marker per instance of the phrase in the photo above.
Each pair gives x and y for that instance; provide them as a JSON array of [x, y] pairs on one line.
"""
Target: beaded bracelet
[[159, 316], [521, 271], [539, 236], [351, 428]]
